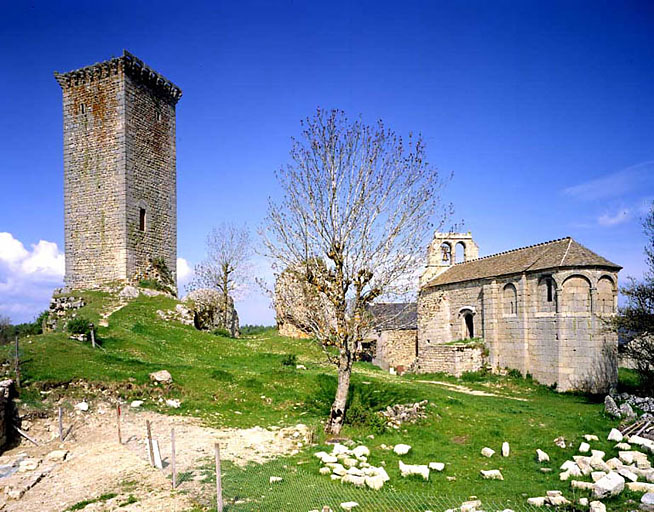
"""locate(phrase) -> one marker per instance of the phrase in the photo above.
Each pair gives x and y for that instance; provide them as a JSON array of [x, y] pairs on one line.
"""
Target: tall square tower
[[120, 192]]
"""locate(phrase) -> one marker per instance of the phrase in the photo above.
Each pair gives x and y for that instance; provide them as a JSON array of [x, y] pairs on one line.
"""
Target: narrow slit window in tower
[[142, 219]]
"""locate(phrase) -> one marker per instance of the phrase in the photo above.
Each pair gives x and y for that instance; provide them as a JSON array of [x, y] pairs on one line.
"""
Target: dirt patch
[[96, 464], [468, 391]]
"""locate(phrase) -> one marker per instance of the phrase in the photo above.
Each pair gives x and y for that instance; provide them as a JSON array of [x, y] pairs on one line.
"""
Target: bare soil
[[97, 465]]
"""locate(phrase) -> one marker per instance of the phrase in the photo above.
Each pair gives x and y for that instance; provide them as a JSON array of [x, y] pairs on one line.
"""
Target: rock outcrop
[[210, 311]]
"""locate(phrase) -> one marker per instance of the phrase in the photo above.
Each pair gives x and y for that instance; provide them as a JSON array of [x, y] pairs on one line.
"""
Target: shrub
[[79, 325], [289, 360], [357, 414], [514, 373], [475, 376], [252, 330], [221, 331]]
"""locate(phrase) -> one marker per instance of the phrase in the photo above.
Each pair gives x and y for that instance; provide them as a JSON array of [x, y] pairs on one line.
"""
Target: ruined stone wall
[[8, 413], [452, 359], [151, 177], [94, 179], [395, 348]]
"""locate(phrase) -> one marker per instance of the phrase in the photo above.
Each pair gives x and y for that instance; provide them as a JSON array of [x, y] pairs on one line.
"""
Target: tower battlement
[[120, 206], [127, 63]]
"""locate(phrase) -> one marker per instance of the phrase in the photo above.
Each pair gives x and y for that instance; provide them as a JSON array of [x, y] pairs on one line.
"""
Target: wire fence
[[305, 491]]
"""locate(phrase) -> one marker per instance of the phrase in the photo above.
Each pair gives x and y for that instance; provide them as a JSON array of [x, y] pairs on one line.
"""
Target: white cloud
[[621, 216], [28, 276], [616, 184], [184, 272]]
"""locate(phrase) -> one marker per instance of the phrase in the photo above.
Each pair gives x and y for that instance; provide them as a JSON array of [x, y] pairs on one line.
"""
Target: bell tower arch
[[443, 250]]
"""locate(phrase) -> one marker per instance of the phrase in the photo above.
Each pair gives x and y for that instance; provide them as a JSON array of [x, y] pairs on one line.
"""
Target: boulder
[[611, 408], [82, 406], [610, 485], [361, 451], [491, 474], [487, 452], [210, 311], [58, 455], [506, 449], [584, 447], [615, 435], [162, 376], [275, 479], [414, 469], [357, 480], [597, 506], [536, 502], [129, 292], [585, 486], [560, 442], [625, 473], [401, 449], [627, 412], [349, 505]]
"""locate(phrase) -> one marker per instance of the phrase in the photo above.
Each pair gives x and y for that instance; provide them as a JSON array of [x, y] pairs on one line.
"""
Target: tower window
[[549, 290], [82, 108], [159, 116], [142, 219]]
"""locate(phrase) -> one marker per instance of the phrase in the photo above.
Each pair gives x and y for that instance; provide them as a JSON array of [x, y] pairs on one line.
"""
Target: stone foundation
[[452, 359]]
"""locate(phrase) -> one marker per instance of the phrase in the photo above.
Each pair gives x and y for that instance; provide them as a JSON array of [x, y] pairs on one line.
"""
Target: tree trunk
[[337, 414]]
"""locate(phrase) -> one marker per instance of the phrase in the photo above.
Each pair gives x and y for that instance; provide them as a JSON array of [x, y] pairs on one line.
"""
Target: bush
[[359, 415], [252, 330], [372, 398], [79, 325], [289, 360], [221, 331], [478, 376], [514, 373]]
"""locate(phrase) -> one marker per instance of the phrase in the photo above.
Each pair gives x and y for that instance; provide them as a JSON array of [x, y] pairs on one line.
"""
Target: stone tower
[[120, 204], [442, 253]]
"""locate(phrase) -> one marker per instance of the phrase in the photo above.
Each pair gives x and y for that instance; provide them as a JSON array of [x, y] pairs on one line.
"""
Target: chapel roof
[[561, 253], [395, 315]]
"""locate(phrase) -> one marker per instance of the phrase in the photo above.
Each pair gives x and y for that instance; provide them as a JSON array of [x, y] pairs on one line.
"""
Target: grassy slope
[[243, 383]]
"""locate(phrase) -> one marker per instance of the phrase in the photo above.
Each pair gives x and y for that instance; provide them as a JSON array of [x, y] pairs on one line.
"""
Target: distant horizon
[[542, 111]]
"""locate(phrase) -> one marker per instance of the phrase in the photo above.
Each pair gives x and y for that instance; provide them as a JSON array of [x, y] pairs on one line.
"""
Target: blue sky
[[544, 111]]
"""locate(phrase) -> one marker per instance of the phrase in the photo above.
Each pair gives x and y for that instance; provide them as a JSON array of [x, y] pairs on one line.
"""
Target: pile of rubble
[[404, 413], [351, 466], [60, 307]]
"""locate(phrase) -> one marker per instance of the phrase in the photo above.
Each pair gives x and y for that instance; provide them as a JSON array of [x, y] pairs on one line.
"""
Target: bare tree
[[227, 267], [359, 205]]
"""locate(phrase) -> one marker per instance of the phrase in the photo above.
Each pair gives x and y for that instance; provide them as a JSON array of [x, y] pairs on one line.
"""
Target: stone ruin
[[298, 306], [61, 307], [210, 312]]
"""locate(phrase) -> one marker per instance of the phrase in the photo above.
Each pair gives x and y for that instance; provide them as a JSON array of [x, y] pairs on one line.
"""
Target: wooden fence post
[[120, 438], [92, 336], [219, 485], [61, 426], [17, 365], [172, 457], [147, 425]]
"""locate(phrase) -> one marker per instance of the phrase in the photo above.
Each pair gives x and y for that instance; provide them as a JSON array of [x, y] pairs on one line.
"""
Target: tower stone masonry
[[120, 204]]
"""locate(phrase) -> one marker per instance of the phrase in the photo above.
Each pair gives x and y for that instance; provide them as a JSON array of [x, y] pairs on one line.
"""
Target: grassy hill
[[249, 381]]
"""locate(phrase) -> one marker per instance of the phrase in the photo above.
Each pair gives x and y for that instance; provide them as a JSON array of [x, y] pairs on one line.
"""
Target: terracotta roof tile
[[564, 252]]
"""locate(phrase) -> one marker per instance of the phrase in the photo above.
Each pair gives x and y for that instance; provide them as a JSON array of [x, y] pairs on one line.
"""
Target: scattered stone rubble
[[61, 306], [404, 413], [351, 466]]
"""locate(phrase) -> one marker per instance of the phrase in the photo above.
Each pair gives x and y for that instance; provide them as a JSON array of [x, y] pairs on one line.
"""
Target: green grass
[[82, 504], [243, 382]]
